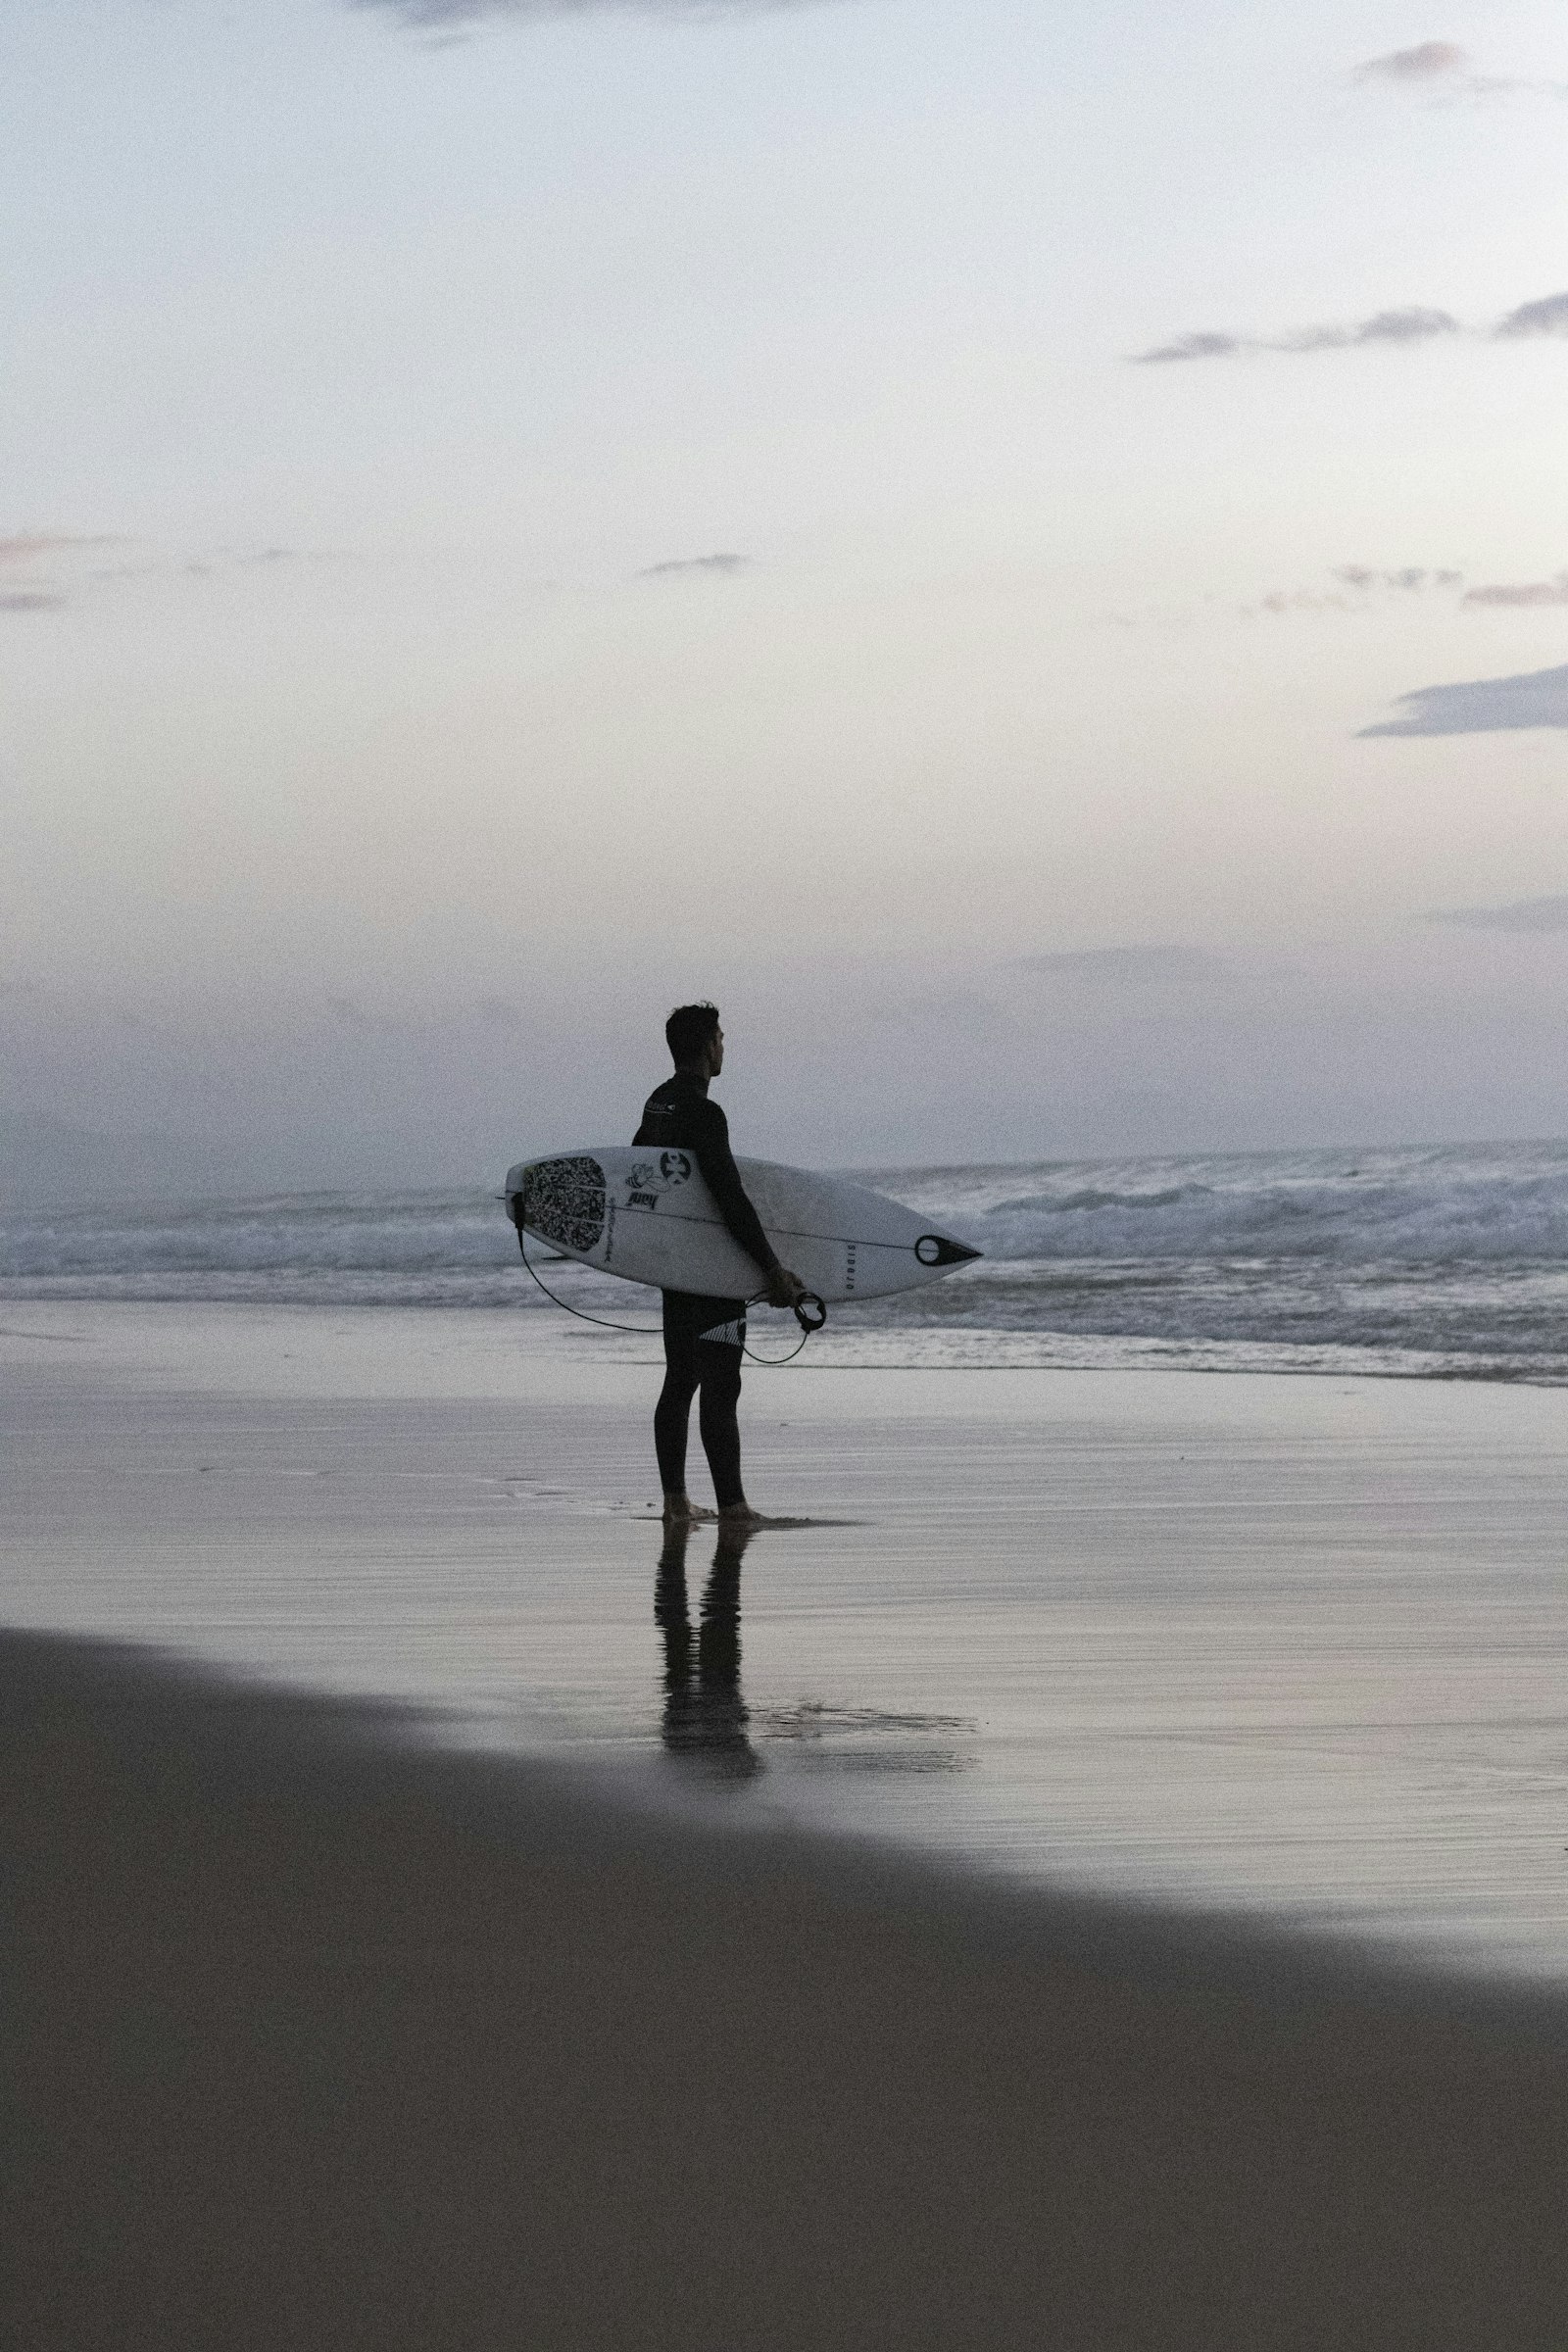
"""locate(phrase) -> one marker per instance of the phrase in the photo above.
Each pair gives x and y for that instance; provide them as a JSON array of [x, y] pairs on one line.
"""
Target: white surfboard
[[645, 1214]]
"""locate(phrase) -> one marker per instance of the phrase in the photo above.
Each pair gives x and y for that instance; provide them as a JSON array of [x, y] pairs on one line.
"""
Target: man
[[703, 1337]]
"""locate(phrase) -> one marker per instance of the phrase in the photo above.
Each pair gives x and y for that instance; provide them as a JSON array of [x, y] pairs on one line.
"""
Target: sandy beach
[[1291, 1645], [1100, 1887], [320, 2039]]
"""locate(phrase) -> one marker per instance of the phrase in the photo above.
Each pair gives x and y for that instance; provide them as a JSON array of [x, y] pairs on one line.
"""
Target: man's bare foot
[[681, 1511]]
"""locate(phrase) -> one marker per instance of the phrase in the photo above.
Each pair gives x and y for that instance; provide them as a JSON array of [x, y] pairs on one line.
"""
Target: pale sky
[[513, 514]]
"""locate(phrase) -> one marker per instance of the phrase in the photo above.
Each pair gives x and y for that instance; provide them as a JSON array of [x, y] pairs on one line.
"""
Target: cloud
[[1356, 587], [1520, 591], [19, 546], [1547, 317], [1118, 966], [46, 585], [676, 564], [343, 1008], [236, 559], [1428, 61], [449, 17], [1537, 698], [1519, 914], [1202, 346], [1413, 324], [1280, 600], [220, 561], [1412, 579], [1444, 67], [1404, 326], [1362, 588]]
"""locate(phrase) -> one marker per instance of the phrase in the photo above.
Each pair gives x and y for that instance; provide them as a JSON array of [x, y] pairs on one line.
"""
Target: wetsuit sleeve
[[722, 1178]]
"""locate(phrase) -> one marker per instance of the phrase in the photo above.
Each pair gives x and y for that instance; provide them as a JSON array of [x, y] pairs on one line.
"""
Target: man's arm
[[722, 1178]]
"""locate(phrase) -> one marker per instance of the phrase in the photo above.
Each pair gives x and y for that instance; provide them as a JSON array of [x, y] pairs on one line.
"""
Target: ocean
[[1438, 1264]]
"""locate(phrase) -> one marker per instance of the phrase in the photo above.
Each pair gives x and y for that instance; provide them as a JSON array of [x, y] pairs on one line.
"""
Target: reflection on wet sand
[[706, 1718], [871, 1740], [705, 1715]]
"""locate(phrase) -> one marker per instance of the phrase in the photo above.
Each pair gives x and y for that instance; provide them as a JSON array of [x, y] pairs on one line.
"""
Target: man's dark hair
[[688, 1030]]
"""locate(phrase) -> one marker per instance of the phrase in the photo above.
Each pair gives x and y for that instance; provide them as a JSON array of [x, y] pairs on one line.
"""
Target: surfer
[[703, 1337]]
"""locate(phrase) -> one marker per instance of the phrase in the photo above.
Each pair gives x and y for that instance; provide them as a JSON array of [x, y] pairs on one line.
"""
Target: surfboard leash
[[647, 1331]]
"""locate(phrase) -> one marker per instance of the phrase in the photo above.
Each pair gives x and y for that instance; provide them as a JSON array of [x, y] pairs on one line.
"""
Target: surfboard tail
[[936, 1250]]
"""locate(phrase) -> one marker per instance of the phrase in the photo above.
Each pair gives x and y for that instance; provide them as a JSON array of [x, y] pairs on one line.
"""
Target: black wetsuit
[[703, 1335]]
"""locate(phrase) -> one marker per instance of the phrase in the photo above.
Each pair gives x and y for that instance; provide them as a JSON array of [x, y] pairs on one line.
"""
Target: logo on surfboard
[[673, 1167]]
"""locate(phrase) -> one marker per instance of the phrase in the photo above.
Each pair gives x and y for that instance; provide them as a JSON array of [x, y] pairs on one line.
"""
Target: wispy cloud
[[1442, 70], [1384, 327], [1355, 588], [1520, 591], [24, 547], [55, 566], [345, 1010], [30, 600], [452, 16], [1411, 579], [1547, 315], [1118, 966], [1206, 345], [1278, 602], [1412, 324], [1428, 61], [1536, 697], [1517, 915], [674, 565], [1371, 588], [231, 559], [50, 564]]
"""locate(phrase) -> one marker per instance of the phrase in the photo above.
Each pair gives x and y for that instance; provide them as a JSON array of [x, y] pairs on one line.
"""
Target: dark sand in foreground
[[316, 2039]]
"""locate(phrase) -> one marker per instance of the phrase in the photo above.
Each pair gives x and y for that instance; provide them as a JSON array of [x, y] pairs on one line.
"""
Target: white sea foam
[[1439, 1261], [1495, 1204]]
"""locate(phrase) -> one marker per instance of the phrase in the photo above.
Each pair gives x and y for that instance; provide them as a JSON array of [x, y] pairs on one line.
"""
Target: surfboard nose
[[935, 1250]]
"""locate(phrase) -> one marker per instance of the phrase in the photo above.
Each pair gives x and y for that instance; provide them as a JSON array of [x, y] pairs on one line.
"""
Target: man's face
[[716, 1051]]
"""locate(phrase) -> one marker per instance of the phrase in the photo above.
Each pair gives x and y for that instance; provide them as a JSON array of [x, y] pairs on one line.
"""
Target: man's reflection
[[705, 1714]]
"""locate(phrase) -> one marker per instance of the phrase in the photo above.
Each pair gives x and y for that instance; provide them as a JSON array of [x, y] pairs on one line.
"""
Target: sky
[[1023, 549]]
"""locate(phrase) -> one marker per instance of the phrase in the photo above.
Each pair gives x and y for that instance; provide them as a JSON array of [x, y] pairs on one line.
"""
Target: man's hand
[[784, 1288]]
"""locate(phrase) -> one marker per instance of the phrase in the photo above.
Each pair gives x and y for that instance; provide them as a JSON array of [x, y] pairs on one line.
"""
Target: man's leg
[[672, 1412], [719, 1371]]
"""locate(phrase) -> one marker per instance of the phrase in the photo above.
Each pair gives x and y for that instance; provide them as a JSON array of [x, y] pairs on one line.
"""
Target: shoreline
[[325, 2033], [1082, 1354]]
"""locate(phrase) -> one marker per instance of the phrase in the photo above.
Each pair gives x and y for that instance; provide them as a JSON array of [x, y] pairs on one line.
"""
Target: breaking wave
[[1438, 1261]]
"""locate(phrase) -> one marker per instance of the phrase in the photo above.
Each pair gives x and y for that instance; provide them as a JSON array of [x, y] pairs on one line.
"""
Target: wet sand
[[320, 2037], [1295, 1645]]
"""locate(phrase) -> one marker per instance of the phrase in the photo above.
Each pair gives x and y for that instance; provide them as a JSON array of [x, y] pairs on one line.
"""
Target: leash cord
[[646, 1330]]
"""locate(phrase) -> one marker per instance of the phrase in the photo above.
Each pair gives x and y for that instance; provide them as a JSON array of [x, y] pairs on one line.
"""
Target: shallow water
[[1439, 1263], [1295, 1645]]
